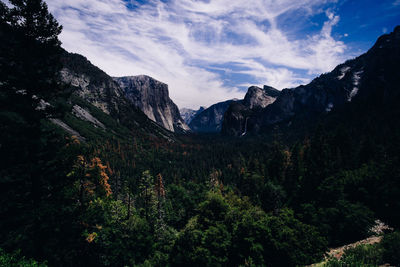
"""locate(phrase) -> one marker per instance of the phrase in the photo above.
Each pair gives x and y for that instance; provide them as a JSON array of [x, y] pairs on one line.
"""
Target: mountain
[[91, 86], [121, 97], [188, 114], [371, 77], [260, 98], [210, 119], [152, 97], [115, 194], [256, 98]]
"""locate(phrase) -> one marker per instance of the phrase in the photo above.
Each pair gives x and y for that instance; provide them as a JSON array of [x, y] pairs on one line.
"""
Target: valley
[[107, 171]]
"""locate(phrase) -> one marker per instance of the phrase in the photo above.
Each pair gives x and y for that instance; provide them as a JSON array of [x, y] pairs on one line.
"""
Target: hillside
[[87, 179], [369, 78]]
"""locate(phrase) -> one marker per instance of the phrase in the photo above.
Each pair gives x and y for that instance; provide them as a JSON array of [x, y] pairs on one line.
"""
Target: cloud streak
[[183, 43]]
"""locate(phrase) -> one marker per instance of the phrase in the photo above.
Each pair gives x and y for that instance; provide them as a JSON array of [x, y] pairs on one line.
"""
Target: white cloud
[[179, 42], [396, 3]]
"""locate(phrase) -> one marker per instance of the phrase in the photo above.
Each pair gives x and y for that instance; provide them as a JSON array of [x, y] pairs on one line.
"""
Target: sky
[[209, 51]]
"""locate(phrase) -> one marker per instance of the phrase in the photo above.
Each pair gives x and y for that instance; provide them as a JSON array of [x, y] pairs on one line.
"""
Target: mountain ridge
[[210, 119], [360, 77], [188, 114], [95, 86]]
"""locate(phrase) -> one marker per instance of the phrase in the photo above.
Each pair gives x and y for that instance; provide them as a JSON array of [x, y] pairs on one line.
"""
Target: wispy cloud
[[182, 42]]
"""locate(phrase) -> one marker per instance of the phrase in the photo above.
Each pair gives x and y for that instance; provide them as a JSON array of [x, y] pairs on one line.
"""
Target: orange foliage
[[159, 188], [288, 155], [96, 163], [90, 238], [110, 171], [75, 140]]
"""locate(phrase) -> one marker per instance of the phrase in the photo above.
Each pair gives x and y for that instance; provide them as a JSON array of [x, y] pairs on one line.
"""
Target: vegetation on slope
[[126, 197]]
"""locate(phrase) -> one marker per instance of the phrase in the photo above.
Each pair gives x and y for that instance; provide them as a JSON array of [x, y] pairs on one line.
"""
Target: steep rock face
[[373, 75], [257, 97], [210, 119], [236, 119], [152, 97], [188, 114], [92, 84]]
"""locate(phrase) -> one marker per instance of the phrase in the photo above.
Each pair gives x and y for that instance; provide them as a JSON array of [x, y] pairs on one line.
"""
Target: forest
[[128, 198]]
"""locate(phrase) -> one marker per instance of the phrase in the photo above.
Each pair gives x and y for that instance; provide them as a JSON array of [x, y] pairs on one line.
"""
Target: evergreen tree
[[29, 177]]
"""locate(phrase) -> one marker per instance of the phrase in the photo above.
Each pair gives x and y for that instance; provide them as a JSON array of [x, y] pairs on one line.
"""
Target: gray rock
[[210, 120], [128, 106], [238, 117], [188, 114], [260, 98], [85, 115], [152, 97]]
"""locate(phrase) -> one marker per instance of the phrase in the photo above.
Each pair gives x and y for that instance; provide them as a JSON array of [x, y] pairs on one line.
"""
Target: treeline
[[126, 198]]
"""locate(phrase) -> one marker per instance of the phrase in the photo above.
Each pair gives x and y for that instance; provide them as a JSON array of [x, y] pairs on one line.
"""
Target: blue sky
[[212, 50]]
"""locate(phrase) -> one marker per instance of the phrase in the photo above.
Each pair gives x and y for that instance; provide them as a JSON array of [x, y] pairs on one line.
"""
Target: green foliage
[[112, 237], [256, 201], [362, 255], [15, 259], [391, 248], [32, 18], [181, 204], [231, 231]]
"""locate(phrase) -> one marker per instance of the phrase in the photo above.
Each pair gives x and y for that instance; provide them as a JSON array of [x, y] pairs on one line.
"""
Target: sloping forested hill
[[125, 192]]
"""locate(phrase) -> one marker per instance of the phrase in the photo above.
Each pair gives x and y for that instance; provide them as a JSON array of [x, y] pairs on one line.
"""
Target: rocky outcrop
[[236, 119], [373, 75], [188, 114], [85, 115], [257, 97], [130, 105], [92, 84], [152, 97], [210, 119]]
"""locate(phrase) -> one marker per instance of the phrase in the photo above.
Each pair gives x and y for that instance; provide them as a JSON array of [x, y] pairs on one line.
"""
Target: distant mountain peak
[[210, 120], [257, 97], [188, 114]]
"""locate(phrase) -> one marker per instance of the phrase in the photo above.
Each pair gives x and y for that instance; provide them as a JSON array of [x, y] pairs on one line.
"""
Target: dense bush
[[15, 259], [391, 248]]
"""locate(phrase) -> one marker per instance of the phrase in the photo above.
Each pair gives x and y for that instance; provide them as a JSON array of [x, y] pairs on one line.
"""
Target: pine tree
[[29, 177], [160, 193], [31, 49], [146, 194], [33, 19]]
